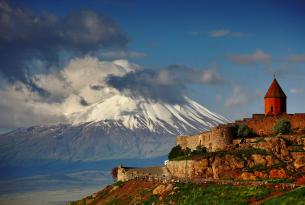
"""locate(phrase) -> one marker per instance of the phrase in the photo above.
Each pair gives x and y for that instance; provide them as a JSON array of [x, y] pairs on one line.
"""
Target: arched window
[[271, 109]]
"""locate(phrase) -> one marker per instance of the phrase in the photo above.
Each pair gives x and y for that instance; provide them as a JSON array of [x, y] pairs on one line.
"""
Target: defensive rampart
[[150, 173], [264, 125], [216, 139]]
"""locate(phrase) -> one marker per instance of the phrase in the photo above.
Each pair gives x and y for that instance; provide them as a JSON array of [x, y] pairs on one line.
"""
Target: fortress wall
[[188, 141], [263, 125], [216, 139], [159, 173], [222, 136], [298, 121]]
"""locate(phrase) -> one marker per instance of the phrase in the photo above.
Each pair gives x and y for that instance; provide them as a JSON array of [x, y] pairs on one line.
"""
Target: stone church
[[262, 124]]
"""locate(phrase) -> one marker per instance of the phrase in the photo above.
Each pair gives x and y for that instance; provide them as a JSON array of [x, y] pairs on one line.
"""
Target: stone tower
[[275, 99]]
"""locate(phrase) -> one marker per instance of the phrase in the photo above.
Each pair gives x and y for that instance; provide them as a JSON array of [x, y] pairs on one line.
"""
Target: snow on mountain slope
[[137, 113]]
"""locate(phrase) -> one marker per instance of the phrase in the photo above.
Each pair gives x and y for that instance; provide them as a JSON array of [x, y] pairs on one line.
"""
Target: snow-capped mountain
[[116, 127], [157, 117]]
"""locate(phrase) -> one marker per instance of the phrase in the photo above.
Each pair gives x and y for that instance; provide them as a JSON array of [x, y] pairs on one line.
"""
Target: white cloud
[[122, 54], [211, 76], [297, 58], [296, 90], [258, 56], [19, 106], [220, 33], [67, 90], [226, 33], [53, 97], [239, 97]]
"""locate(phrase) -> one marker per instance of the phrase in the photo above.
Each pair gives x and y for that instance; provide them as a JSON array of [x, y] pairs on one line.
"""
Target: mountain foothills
[[116, 127]]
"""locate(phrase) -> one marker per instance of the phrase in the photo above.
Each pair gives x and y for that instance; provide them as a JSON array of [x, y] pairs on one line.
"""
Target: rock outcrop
[[267, 158]]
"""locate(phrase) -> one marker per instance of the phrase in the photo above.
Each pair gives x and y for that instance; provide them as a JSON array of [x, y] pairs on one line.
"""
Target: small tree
[[243, 131], [175, 152], [283, 126], [114, 173], [187, 152], [199, 150]]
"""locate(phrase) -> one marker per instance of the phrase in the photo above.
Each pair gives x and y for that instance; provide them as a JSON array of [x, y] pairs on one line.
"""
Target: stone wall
[[216, 139], [263, 125], [154, 173]]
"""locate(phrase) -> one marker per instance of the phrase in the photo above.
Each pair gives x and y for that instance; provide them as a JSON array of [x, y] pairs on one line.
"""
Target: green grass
[[296, 150], [241, 153], [151, 200], [119, 183], [216, 194], [258, 167], [259, 139], [279, 180], [296, 197]]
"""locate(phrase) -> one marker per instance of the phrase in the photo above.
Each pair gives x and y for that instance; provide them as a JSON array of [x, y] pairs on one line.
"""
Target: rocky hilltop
[[281, 157], [258, 170]]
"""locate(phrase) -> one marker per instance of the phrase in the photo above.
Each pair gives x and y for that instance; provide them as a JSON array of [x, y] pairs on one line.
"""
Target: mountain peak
[[136, 113]]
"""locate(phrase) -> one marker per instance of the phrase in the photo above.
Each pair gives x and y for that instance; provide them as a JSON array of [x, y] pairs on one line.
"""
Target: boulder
[[159, 190], [269, 160], [299, 162], [169, 188], [261, 175], [215, 167], [234, 162], [297, 155], [247, 176], [258, 159], [277, 174]]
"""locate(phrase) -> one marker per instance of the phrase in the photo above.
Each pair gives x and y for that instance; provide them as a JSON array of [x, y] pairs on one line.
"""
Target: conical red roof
[[275, 90]]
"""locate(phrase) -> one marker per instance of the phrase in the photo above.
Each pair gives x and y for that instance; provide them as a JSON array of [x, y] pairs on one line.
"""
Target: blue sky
[[245, 42]]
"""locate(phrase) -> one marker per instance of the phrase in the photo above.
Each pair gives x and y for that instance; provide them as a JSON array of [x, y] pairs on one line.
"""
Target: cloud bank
[[240, 97], [297, 58], [226, 33], [167, 85], [85, 81], [78, 85], [30, 41], [258, 56]]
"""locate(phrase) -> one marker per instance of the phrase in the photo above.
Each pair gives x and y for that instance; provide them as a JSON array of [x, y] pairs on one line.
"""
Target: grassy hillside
[[295, 197], [147, 193]]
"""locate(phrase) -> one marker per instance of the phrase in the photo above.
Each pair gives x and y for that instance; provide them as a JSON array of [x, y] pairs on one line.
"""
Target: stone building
[[275, 99], [262, 124], [218, 138]]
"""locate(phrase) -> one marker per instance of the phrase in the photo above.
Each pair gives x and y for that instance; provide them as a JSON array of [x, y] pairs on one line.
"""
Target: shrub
[[187, 152], [175, 152], [200, 149], [119, 183], [114, 173], [283, 126], [243, 131]]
